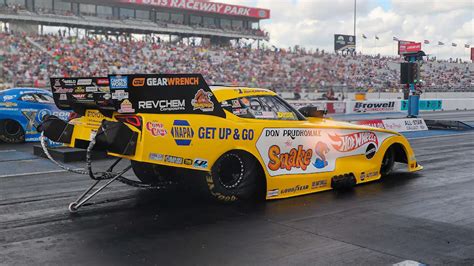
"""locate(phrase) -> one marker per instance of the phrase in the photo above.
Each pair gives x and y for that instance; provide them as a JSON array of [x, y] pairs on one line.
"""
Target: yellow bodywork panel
[[297, 157]]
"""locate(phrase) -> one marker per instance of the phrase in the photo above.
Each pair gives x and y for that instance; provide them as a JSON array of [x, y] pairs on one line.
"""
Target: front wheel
[[388, 162], [235, 176], [11, 131]]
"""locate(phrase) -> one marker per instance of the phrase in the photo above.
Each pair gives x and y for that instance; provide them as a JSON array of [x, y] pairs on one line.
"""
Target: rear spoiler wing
[[80, 94], [137, 93]]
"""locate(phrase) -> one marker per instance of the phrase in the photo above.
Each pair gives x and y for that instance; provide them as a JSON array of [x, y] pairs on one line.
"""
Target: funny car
[[23, 108], [234, 142]]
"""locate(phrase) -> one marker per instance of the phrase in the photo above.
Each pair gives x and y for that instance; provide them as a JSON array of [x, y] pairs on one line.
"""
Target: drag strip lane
[[426, 216]]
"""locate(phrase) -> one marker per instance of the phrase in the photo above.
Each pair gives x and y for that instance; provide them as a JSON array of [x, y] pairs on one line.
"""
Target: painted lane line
[[442, 136], [7, 151], [33, 173]]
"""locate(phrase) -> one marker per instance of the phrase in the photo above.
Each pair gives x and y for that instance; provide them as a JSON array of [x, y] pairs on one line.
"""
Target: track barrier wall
[[386, 105]]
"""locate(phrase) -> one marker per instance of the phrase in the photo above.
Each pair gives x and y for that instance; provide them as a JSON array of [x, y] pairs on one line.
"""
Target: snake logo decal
[[321, 149]]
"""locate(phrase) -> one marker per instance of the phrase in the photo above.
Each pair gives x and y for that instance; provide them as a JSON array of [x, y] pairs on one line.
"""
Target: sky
[[313, 23]]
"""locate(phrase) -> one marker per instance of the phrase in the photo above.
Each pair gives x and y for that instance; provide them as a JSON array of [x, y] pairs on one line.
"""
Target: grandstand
[[33, 59], [215, 22], [29, 56]]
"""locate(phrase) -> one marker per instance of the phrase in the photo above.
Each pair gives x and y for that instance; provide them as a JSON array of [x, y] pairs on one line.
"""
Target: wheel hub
[[231, 171]]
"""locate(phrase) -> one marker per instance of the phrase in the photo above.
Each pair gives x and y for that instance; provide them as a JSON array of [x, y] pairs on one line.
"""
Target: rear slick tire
[[11, 131], [234, 176]]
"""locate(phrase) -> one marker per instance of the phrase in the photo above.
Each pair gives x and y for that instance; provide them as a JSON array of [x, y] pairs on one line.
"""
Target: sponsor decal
[[184, 81], [84, 82], [225, 133], [285, 115], [202, 101], [294, 189], [321, 149], [236, 104], [318, 184], [138, 82], [218, 195], [81, 96], [273, 193], [63, 90], [30, 116], [104, 89], [200, 163], [264, 114], [91, 89], [182, 132], [79, 89], [126, 107], [350, 142], [57, 83], [8, 104], [240, 111], [156, 129], [369, 175], [295, 158], [188, 162], [69, 82], [225, 104], [293, 133], [173, 159], [63, 97], [8, 97], [162, 105], [119, 95], [119, 82], [102, 81], [370, 151], [363, 107], [107, 96], [156, 156]]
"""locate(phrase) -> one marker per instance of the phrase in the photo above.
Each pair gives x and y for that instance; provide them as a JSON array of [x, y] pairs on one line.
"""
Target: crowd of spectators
[[33, 59]]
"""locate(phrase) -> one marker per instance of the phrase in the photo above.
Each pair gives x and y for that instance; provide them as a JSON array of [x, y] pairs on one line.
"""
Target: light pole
[[355, 39]]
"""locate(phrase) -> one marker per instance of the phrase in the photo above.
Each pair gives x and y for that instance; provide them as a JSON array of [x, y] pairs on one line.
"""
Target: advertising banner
[[424, 105], [375, 106], [344, 43], [405, 124], [205, 6], [398, 125], [409, 48], [378, 123], [401, 43]]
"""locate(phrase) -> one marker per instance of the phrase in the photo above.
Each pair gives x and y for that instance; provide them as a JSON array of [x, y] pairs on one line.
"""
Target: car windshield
[[261, 107]]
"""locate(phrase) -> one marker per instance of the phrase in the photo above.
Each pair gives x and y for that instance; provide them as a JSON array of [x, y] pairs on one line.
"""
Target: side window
[[28, 98], [43, 98], [260, 107]]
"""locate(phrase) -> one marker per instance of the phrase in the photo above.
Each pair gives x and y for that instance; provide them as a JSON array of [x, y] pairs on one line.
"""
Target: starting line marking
[[33, 173], [409, 263]]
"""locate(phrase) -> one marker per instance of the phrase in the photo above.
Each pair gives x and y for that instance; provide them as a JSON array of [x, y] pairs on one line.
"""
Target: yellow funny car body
[[238, 142]]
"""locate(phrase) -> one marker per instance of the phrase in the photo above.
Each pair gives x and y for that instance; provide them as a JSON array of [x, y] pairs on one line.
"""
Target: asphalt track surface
[[427, 217]]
